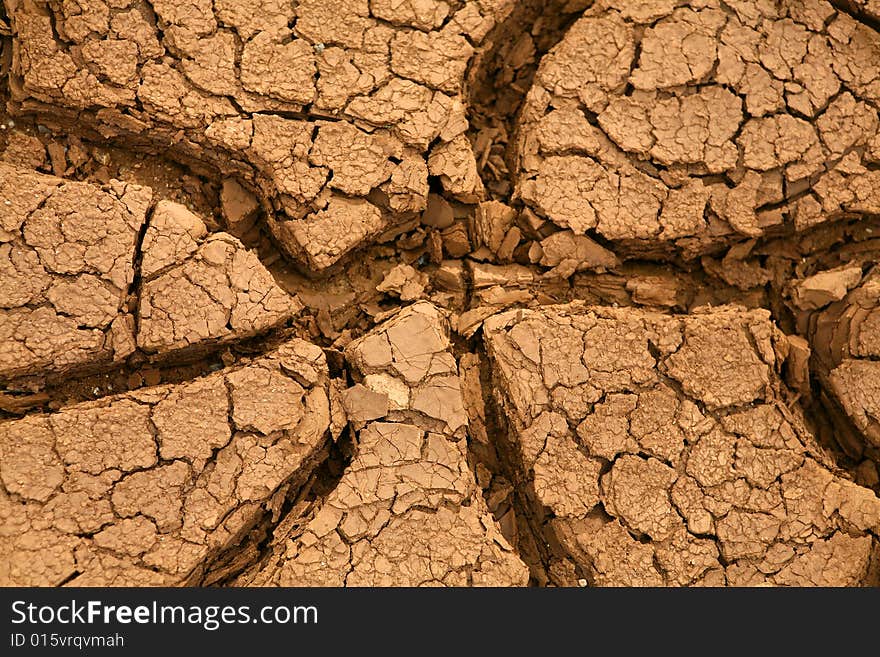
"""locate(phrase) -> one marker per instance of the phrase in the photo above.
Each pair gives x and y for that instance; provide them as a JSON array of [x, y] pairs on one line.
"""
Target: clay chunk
[[676, 128], [152, 487], [69, 258], [67, 252], [198, 289], [845, 337], [333, 111], [656, 451], [407, 510]]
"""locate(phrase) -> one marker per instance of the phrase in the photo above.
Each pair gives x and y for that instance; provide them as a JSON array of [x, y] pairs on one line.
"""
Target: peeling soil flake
[[841, 312]]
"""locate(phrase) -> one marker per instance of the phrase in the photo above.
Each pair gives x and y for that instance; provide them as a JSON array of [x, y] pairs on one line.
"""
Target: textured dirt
[[149, 488], [69, 251], [337, 122], [407, 511], [439, 292], [656, 450], [672, 126], [838, 310]]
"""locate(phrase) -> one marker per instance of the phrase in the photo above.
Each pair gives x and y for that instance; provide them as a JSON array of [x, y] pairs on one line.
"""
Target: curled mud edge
[[458, 285]]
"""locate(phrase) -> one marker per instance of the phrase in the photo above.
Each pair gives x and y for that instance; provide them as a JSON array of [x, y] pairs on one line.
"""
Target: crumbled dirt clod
[[438, 213], [657, 450], [240, 207], [24, 150], [845, 336], [407, 510], [824, 288], [362, 405], [374, 86], [405, 282]]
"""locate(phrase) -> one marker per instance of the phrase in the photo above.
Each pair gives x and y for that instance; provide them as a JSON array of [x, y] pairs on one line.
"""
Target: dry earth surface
[[440, 292]]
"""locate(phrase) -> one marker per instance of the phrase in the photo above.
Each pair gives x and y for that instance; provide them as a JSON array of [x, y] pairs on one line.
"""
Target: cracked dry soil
[[440, 292]]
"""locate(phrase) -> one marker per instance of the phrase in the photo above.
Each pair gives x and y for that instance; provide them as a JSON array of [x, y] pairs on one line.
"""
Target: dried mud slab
[[656, 450], [337, 111], [67, 253], [680, 127], [839, 311], [199, 289], [407, 510], [151, 487], [70, 253]]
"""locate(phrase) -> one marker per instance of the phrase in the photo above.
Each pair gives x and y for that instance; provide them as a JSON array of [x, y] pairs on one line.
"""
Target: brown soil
[[657, 450], [443, 292]]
